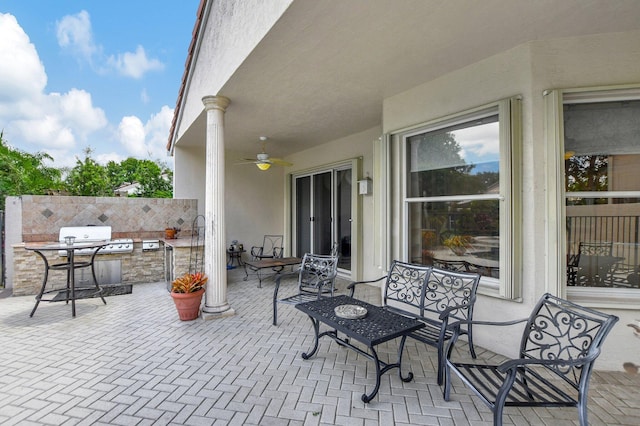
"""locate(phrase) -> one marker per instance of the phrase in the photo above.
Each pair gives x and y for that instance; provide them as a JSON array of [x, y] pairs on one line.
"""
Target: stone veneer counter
[[180, 242], [136, 267]]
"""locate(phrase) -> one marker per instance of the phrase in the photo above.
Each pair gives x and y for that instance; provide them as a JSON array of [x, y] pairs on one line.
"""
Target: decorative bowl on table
[[350, 311]]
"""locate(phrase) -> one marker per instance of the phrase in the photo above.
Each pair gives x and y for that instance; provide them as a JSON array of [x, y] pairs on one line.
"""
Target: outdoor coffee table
[[378, 326], [276, 264]]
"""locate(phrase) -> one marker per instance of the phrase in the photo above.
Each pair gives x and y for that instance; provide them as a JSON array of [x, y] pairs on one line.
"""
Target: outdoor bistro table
[[277, 264], [70, 266], [378, 326]]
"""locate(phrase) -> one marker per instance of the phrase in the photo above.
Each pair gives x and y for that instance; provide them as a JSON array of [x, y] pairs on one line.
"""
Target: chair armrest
[[457, 324], [521, 362], [445, 313], [280, 277], [353, 285]]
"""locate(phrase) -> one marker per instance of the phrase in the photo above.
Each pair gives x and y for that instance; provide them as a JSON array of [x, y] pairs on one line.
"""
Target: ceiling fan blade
[[280, 162], [246, 161]]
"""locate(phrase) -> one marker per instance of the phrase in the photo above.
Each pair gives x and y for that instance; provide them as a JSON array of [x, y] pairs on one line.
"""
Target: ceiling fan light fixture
[[263, 166]]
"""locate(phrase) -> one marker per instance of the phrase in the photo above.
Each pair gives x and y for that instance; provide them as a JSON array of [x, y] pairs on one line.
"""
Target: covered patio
[[132, 362]]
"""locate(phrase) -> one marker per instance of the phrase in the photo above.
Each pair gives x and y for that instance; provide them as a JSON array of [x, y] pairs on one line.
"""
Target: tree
[[22, 173], [155, 178], [89, 178]]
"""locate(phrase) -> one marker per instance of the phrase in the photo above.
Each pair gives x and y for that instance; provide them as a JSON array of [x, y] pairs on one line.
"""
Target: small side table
[[235, 255]]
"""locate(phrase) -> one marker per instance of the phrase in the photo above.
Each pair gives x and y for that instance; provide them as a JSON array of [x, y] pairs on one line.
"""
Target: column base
[[217, 315]]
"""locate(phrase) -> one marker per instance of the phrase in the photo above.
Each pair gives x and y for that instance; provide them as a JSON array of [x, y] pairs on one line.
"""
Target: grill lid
[[85, 233]]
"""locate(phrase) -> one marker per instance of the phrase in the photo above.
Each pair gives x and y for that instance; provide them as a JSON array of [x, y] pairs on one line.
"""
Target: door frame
[[356, 210]]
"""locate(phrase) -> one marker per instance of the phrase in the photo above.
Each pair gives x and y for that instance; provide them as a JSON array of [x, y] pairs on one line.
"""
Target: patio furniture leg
[[366, 398], [400, 351], [316, 329], [44, 282], [95, 282]]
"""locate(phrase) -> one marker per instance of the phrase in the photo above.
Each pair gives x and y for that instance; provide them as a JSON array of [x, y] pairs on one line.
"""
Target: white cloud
[[62, 124], [157, 129], [480, 141], [105, 158], [47, 121], [131, 135], [78, 111], [21, 71], [74, 33], [146, 140], [136, 64]]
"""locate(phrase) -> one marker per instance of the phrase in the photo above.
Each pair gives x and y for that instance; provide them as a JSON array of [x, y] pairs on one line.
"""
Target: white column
[[215, 261]]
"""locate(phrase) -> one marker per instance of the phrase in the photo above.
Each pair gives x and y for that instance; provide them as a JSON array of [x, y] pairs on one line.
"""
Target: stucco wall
[[190, 174], [254, 201], [235, 27], [529, 69]]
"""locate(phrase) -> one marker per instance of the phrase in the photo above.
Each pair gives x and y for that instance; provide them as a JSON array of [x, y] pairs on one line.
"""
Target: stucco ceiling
[[324, 69]]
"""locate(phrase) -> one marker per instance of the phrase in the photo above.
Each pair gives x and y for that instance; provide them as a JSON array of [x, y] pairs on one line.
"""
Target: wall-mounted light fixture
[[364, 186]]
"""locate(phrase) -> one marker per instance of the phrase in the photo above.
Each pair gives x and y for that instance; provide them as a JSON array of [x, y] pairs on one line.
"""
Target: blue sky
[[100, 74]]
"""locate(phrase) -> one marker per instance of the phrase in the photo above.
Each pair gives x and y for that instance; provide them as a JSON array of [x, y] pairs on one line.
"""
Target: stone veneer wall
[[180, 259], [44, 215], [136, 267]]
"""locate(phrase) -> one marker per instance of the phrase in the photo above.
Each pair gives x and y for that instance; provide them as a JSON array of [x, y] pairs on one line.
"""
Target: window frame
[[554, 101], [509, 111]]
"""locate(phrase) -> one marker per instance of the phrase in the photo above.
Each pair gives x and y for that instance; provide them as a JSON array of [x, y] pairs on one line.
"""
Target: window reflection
[[461, 235], [463, 159], [602, 194], [460, 162]]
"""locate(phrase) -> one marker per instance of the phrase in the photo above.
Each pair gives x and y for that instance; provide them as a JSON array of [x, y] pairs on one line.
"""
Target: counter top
[[180, 242]]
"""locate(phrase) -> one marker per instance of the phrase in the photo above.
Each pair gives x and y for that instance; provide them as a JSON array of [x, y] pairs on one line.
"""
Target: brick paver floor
[[132, 362]]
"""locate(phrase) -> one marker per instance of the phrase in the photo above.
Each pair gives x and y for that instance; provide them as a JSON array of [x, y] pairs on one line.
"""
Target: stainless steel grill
[[92, 234]]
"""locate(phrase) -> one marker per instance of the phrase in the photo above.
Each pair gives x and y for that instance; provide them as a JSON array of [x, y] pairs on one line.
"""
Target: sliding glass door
[[322, 208]]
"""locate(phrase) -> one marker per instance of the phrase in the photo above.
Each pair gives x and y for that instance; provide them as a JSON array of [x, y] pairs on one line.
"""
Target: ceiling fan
[[263, 161]]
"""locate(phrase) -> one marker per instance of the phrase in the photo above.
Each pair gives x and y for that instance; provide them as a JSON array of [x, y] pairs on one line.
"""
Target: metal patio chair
[[272, 247], [559, 345], [316, 279]]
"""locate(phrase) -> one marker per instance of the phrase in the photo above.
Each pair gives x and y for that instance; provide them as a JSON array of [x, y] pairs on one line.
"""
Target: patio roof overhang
[[324, 68]]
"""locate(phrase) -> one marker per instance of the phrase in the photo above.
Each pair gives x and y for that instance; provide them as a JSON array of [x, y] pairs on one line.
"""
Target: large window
[[602, 190], [458, 185], [595, 135]]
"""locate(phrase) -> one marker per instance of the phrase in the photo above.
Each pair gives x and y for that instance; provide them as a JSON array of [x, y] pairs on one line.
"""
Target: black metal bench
[[432, 295], [559, 346]]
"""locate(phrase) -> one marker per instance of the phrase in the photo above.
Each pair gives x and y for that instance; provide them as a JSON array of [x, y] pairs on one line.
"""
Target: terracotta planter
[[170, 233], [188, 304]]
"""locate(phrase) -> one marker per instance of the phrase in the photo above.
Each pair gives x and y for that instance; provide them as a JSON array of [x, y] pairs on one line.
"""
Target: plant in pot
[[187, 292], [458, 243], [171, 233]]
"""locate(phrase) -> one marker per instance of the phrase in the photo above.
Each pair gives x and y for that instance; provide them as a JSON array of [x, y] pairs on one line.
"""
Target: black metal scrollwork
[[405, 283]]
